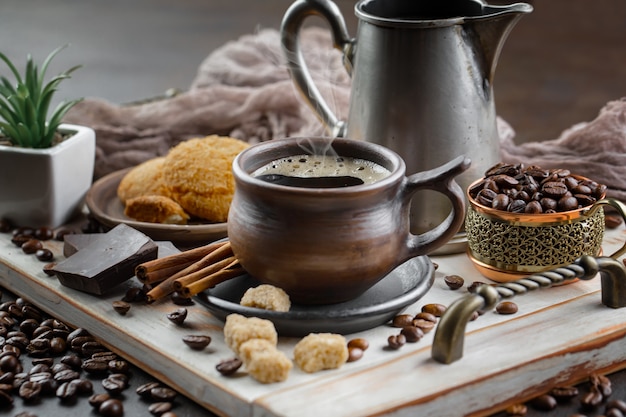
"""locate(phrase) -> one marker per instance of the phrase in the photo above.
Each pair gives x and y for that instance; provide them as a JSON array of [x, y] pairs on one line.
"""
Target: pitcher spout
[[491, 29]]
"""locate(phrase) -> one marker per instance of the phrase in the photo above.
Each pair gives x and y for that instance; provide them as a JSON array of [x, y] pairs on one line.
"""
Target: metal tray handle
[[450, 334]]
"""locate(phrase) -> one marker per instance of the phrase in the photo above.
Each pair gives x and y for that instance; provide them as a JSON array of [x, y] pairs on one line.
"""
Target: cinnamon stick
[[166, 287], [231, 271], [185, 280], [158, 269]]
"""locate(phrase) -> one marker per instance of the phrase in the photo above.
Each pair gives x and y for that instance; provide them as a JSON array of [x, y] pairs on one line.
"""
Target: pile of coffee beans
[[42, 358], [519, 189]]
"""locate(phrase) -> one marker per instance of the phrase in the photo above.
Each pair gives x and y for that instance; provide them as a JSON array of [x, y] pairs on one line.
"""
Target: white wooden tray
[[558, 336]]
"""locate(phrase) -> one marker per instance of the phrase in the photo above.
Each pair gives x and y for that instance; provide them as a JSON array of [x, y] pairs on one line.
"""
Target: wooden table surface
[[558, 336]]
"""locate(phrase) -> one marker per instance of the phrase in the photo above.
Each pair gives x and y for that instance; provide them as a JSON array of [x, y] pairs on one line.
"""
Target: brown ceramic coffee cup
[[329, 245]]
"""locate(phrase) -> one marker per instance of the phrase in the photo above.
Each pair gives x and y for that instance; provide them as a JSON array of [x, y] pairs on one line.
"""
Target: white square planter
[[46, 187]]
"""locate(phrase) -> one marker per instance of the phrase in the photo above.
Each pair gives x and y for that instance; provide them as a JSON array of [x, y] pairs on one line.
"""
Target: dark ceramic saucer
[[402, 287]]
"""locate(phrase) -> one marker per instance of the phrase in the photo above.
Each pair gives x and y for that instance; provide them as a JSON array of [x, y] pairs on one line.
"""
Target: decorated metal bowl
[[506, 245]]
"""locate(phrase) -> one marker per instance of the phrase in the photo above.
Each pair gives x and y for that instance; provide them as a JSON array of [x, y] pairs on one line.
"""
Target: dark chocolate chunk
[[74, 242], [107, 261]]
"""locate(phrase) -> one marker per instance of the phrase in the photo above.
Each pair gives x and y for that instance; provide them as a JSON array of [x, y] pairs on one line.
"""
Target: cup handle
[[621, 209], [290, 29], [439, 179]]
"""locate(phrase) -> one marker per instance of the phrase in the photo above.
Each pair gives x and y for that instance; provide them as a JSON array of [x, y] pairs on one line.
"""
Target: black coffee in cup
[[321, 171]]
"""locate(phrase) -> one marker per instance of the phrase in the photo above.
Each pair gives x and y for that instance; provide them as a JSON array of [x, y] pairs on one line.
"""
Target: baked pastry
[[144, 179], [264, 362], [318, 351], [239, 329], [267, 297], [155, 209], [198, 174]]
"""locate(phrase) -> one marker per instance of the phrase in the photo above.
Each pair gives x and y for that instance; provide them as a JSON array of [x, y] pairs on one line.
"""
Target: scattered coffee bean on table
[[435, 309], [197, 342], [228, 366], [396, 341], [178, 316], [121, 307], [354, 354], [360, 343], [454, 282], [506, 307]]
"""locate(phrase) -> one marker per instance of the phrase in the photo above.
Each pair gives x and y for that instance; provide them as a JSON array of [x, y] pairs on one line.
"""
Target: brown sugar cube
[[267, 297], [239, 329], [318, 351], [264, 362]]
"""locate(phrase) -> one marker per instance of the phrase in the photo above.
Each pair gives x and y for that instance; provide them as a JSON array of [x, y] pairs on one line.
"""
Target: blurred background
[[559, 66]]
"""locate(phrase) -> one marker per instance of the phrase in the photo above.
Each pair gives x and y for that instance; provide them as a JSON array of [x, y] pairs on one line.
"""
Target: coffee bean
[[602, 383], [454, 282], [44, 255], [593, 398], [197, 342], [474, 286], [412, 334], [402, 320], [562, 394], [354, 354], [134, 294], [533, 207], [29, 391], [424, 325], [544, 402], [506, 307], [83, 386], [43, 233], [396, 341], [179, 299], [228, 366], [554, 189], [111, 408], [359, 342], [67, 392], [66, 375], [163, 394], [121, 307], [425, 316], [160, 408], [113, 386], [178, 316], [501, 202], [435, 309], [618, 404], [613, 412], [95, 366], [96, 400], [73, 361], [145, 389], [118, 366], [613, 221]]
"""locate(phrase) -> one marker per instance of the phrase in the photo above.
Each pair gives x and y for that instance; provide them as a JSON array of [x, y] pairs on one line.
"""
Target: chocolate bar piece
[[74, 242], [107, 261]]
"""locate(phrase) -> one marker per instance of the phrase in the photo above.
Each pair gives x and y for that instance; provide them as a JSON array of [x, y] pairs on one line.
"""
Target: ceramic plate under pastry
[[107, 208]]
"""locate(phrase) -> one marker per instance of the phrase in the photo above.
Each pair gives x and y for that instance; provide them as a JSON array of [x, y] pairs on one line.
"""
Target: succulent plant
[[24, 105]]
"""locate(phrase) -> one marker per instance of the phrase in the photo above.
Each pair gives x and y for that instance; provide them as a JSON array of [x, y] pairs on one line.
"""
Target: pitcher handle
[[439, 179], [290, 30]]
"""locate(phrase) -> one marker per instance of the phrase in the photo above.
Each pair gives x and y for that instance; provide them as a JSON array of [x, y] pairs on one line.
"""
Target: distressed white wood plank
[[559, 335]]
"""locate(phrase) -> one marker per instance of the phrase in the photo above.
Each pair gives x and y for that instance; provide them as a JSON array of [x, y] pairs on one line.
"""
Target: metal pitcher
[[422, 82]]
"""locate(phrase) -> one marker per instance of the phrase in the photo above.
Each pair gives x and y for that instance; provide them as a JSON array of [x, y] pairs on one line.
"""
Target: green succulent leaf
[[25, 104]]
